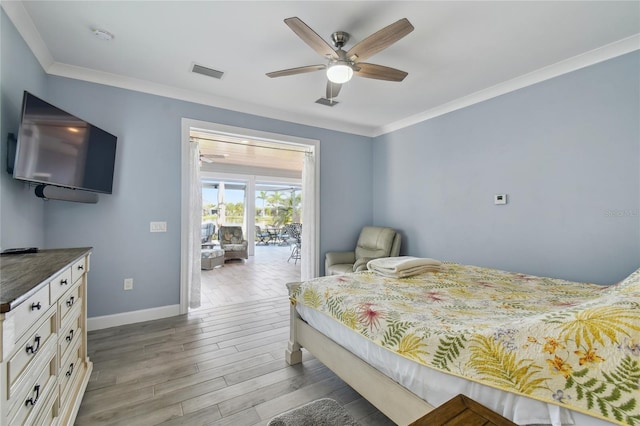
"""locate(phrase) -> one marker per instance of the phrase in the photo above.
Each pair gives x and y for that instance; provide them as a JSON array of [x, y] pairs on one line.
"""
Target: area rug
[[322, 412]]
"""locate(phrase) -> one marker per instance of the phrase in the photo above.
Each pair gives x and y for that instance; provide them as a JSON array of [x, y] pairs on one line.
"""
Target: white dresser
[[43, 336]]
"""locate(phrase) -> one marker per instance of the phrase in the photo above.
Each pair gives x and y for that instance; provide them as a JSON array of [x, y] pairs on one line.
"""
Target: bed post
[[293, 354]]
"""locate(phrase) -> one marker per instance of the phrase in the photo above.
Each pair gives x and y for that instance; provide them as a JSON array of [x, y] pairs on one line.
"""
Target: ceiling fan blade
[[333, 89], [380, 40], [298, 70], [310, 37], [379, 72]]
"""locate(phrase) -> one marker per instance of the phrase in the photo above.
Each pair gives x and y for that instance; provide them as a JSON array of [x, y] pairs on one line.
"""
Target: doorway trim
[[240, 132]]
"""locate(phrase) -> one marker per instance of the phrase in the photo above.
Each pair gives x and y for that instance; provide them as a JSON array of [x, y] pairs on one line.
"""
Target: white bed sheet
[[436, 387]]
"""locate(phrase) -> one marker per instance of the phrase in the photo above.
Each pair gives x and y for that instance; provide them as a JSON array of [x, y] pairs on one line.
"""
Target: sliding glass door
[[224, 202]]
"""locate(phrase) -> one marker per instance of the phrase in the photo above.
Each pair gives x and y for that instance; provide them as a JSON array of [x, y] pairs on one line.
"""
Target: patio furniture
[[233, 243], [211, 244], [207, 230], [262, 236], [374, 242], [210, 258], [284, 236], [293, 232], [275, 234]]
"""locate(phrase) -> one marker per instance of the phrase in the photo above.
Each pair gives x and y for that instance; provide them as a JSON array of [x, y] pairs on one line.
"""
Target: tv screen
[[58, 148]]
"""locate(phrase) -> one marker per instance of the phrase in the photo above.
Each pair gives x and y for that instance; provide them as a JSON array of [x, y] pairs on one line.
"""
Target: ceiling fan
[[343, 65]]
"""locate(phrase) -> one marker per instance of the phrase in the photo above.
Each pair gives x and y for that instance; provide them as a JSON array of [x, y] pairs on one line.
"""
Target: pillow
[[361, 264]]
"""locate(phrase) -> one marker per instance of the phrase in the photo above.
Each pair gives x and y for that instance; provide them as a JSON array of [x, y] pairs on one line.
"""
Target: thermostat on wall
[[500, 199]]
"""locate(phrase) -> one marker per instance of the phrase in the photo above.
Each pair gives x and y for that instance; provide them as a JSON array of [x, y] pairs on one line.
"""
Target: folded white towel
[[397, 264], [403, 266]]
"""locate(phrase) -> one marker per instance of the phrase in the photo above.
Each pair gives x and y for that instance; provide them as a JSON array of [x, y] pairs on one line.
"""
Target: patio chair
[[208, 229], [294, 238], [233, 243], [262, 236]]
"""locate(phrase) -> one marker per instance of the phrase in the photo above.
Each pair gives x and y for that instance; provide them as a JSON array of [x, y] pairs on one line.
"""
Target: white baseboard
[[106, 321]]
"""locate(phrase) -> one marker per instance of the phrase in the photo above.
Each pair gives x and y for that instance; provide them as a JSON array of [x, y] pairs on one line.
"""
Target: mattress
[[435, 386]]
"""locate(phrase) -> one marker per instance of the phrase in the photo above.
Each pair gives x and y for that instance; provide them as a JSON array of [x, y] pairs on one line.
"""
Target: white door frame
[[187, 126]]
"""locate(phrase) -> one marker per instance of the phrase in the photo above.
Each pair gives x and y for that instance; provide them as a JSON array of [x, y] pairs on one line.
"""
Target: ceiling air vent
[[327, 102], [199, 69]]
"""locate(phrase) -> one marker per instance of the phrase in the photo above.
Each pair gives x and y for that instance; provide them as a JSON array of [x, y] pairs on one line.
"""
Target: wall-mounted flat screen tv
[[58, 148]]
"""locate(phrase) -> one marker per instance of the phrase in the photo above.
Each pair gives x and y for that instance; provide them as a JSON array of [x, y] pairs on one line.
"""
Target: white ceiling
[[458, 54]]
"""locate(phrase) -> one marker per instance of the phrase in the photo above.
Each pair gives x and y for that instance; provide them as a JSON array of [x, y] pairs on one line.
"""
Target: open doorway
[[255, 179], [275, 252]]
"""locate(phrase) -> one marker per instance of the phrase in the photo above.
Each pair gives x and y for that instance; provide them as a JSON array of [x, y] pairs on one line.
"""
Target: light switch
[[158, 227]]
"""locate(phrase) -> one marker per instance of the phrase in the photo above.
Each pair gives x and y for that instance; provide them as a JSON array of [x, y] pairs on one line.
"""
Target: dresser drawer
[[69, 336], [28, 401], [31, 310], [49, 411], [60, 284], [78, 269], [68, 302], [28, 350], [70, 368]]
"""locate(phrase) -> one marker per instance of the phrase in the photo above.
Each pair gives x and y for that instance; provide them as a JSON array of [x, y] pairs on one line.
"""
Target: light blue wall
[[147, 188], [567, 153], [21, 214]]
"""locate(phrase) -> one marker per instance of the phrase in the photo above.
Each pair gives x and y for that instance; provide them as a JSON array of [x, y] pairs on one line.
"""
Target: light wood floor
[[260, 277], [222, 364]]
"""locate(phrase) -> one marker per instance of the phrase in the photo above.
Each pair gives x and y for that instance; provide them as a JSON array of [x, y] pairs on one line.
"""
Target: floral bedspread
[[570, 344]]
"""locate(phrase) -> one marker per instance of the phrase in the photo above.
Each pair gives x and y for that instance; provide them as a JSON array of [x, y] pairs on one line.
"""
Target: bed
[[535, 350]]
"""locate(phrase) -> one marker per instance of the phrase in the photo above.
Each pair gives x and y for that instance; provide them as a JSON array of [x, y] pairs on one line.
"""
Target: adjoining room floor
[[222, 364], [261, 276]]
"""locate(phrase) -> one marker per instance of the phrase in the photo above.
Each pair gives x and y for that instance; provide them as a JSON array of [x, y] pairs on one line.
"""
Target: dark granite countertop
[[22, 275]]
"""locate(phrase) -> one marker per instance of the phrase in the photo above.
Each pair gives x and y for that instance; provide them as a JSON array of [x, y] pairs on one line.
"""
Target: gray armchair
[[374, 242], [233, 242]]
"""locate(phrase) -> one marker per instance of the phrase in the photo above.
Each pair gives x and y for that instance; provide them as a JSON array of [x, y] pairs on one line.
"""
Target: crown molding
[[109, 79], [22, 21], [584, 60]]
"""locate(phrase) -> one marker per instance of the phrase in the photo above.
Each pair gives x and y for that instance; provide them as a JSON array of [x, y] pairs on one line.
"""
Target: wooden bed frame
[[394, 400]]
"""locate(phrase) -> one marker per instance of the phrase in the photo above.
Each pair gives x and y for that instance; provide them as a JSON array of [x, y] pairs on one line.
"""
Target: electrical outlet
[[128, 283]]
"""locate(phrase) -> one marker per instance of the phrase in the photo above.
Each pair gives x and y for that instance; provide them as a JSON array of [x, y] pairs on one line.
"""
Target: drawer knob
[[63, 282], [69, 336], [36, 306], [80, 267], [32, 349], [70, 301], [32, 401], [70, 370]]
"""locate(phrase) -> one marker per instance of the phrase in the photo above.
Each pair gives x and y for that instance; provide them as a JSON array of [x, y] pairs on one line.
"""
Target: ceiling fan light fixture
[[339, 73]]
